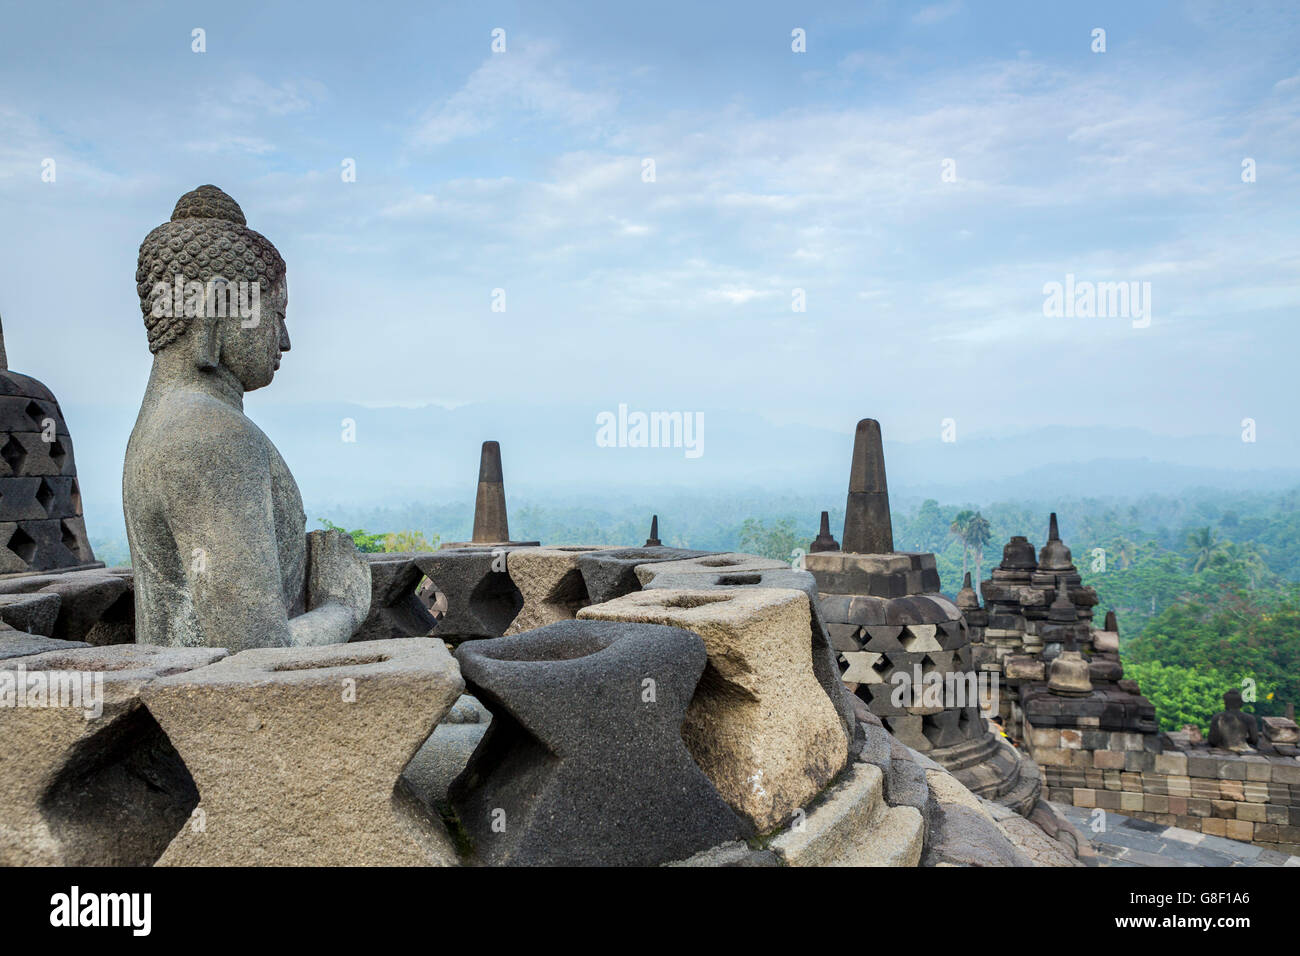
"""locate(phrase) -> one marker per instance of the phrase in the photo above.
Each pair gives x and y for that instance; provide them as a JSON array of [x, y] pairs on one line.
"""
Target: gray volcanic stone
[[1233, 728], [729, 854], [467, 710], [33, 613], [612, 573], [490, 521], [962, 831], [653, 541], [759, 725], [395, 610], [491, 527], [21, 644], [824, 541], [867, 525], [41, 524], [444, 755], [584, 762], [482, 599], [731, 563], [94, 606], [214, 517], [440, 760], [84, 789]]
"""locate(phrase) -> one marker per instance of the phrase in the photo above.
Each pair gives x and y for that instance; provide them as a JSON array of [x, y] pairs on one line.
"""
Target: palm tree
[[978, 534], [1248, 558], [960, 527], [1204, 545]]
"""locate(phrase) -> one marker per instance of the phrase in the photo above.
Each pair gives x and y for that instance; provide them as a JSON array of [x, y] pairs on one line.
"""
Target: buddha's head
[[209, 284], [1232, 700]]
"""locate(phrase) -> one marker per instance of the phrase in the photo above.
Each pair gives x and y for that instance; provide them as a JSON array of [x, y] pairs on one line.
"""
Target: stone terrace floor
[[1128, 841]]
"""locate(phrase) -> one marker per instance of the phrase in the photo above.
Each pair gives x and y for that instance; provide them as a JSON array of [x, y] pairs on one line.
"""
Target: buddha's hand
[[336, 574]]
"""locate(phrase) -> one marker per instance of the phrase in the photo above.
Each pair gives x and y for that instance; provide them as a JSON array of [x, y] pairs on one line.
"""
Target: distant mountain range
[[402, 455]]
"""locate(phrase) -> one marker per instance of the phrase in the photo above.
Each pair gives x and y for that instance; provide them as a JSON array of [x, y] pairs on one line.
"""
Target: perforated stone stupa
[[41, 524], [899, 639]]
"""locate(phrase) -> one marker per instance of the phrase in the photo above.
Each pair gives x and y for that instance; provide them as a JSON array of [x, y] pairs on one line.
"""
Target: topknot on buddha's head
[[208, 202], [206, 239]]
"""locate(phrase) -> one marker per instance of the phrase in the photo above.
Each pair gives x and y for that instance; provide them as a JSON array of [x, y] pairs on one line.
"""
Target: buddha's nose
[[284, 337]]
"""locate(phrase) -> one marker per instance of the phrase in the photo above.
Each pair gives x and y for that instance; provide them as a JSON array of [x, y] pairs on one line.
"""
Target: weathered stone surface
[[94, 606], [491, 526], [41, 524], [550, 585], [718, 565], [482, 599], [297, 754], [33, 613], [853, 826], [440, 760], [584, 762], [214, 518], [1233, 728], [490, 521], [906, 784], [395, 609], [653, 541], [21, 644], [612, 573], [80, 788], [867, 525], [1280, 730], [444, 755], [1036, 846], [962, 832], [730, 855], [759, 726], [824, 541], [825, 668]]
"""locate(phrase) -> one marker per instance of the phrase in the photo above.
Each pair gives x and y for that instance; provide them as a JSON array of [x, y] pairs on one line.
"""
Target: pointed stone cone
[[1112, 623], [1053, 532], [967, 599], [4, 358], [824, 541], [1062, 608], [490, 523], [867, 528], [653, 541]]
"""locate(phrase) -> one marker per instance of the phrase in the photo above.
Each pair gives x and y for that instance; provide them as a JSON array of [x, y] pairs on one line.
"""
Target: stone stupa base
[[992, 768]]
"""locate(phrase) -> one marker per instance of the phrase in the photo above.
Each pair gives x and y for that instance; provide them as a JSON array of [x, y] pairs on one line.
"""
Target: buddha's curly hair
[[207, 238]]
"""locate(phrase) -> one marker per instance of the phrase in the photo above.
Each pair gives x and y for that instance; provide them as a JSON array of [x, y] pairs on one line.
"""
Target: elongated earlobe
[[207, 343]]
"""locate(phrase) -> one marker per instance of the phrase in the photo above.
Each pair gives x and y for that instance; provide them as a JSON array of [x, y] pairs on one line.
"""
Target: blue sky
[[774, 170]]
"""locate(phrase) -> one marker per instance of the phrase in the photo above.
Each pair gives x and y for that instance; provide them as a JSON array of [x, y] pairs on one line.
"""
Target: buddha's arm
[[338, 590], [219, 493], [219, 514]]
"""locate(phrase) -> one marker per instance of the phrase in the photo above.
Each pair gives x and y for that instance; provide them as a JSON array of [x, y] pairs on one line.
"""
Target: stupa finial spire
[[867, 527]]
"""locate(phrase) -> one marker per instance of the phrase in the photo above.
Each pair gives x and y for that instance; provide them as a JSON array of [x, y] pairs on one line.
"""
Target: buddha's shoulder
[[185, 422]]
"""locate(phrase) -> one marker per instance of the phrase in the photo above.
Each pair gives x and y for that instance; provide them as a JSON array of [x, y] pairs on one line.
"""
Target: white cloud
[[527, 81], [936, 13]]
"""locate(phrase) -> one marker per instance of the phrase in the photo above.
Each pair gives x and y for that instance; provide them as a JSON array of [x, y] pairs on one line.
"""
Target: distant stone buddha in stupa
[[1233, 728], [214, 518]]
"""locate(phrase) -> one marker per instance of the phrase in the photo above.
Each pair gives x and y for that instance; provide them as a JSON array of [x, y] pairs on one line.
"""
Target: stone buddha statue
[[1233, 728], [214, 518]]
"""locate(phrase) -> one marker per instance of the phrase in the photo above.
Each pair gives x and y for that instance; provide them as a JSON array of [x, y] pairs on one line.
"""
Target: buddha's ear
[[207, 342]]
